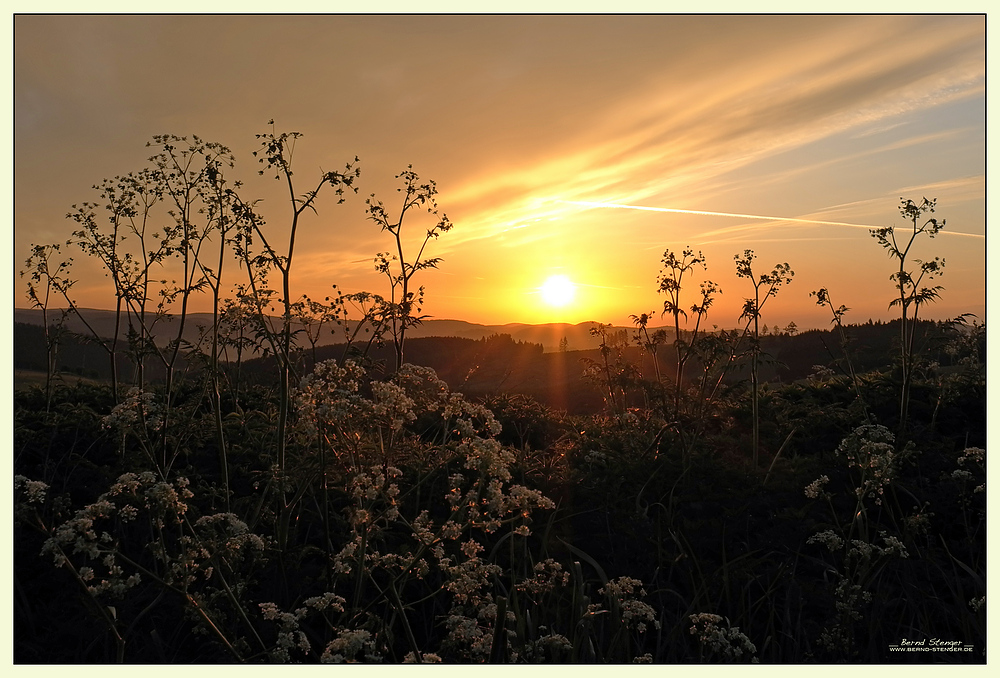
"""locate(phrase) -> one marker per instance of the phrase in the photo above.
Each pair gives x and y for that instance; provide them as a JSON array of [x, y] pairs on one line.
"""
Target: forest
[[298, 480]]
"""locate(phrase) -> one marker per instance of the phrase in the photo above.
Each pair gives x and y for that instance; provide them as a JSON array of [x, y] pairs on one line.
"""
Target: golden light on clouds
[[824, 121]]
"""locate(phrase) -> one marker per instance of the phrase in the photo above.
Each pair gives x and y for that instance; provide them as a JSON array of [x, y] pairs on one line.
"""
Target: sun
[[558, 290]]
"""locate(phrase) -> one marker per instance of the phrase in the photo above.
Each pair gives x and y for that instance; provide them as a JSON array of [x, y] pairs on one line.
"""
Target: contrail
[[737, 216]]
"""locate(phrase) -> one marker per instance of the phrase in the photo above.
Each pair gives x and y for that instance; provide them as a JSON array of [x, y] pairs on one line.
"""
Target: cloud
[[509, 114], [680, 133], [775, 222]]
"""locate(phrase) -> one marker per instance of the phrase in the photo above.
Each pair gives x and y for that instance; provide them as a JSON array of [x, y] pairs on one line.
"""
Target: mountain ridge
[[549, 335]]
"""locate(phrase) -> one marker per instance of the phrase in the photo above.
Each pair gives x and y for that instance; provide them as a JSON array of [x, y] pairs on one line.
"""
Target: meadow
[[242, 497]]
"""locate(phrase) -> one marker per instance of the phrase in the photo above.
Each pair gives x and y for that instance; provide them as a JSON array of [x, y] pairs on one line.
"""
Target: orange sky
[[519, 119]]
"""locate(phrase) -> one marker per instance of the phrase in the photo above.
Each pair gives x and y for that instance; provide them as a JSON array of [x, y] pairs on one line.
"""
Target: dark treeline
[[500, 364]]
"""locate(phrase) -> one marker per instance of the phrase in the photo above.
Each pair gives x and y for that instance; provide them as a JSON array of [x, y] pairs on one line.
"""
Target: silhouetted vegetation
[[257, 496]]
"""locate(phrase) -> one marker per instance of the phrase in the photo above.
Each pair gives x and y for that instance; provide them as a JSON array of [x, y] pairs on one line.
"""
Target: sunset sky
[[531, 125]]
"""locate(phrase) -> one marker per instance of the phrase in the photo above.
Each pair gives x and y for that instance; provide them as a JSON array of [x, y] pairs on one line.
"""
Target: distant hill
[[549, 335], [493, 359], [578, 337], [482, 367]]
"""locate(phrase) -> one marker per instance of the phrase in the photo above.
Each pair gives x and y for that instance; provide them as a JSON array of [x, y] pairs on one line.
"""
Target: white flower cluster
[[974, 457], [828, 538], [422, 385], [351, 646], [329, 396], [850, 598], [961, 475], [371, 488], [468, 637], [290, 636], [547, 647], [470, 580], [634, 613], [726, 643], [146, 491], [425, 658], [859, 550], [864, 552], [392, 405], [366, 430], [814, 488], [226, 535], [920, 521], [79, 536], [140, 411], [548, 575], [34, 491], [183, 559], [479, 496], [870, 448]]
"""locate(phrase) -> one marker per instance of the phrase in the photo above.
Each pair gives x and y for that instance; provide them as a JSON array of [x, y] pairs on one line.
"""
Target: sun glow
[[558, 290]]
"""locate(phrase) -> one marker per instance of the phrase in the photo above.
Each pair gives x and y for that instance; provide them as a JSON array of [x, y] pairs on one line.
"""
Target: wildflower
[[860, 550], [634, 613], [548, 574], [468, 637], [814, 488], [702, 624], [330, 396], [138, 411], [919, 522], [550, 646], [392, 403], [870, 449], [34, 490], [849, 599], [728, 643], [342, 561], [827, 538], [621, 587], [327, 600], [425, 658], [893, 545], [451, 530], [975, 455], [863, 551]]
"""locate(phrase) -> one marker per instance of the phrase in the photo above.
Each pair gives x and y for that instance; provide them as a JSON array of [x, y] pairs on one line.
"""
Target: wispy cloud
[[712, 214], [518, 117], [678, 136], [778, 220]]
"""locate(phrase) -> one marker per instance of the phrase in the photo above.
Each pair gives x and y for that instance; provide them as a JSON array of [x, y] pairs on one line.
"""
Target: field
[[408, 520], [247, 489]]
